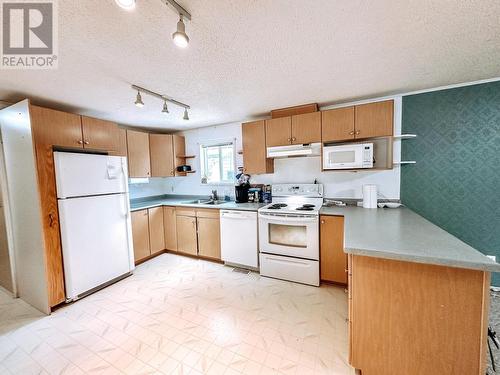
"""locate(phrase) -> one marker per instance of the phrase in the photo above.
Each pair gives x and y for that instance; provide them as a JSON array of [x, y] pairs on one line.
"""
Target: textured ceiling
[[249, 56]]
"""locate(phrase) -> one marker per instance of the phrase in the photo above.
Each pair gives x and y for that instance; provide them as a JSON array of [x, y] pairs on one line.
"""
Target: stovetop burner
[[304, 208], [308, 205], [277, 206]]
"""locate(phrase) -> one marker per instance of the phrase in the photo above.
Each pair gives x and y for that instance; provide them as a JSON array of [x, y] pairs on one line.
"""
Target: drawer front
[[208, 213], [293, 269], [185, 211]]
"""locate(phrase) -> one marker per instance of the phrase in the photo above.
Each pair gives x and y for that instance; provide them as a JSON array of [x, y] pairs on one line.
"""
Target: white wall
[[291, 170], [155, 186]]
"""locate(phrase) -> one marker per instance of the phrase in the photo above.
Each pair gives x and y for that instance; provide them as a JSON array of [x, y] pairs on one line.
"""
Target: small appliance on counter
[[241, 188], [255, 194], [370, 196]]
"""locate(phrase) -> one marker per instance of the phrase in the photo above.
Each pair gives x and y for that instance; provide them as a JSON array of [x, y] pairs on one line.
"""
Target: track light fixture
[[180, 37], [165, 108], [126, 4], [164, 98], [138, 100]]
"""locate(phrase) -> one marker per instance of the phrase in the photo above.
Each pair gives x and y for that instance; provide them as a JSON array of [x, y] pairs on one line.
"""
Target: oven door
[[343, 157], [291, 235]]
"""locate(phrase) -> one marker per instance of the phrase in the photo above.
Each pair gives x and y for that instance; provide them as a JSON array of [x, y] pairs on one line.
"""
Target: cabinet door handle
[[86, 142], [80, 142], [289, 139], [51, 220]]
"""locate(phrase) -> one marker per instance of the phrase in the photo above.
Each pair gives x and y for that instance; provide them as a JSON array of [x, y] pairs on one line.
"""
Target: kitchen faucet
[[214, 196]]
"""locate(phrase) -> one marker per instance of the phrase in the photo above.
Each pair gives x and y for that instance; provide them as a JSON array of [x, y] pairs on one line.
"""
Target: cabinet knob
[[357, 132], [80, 142], [294, 139], [86, 142], [322, 222], [351, 133]]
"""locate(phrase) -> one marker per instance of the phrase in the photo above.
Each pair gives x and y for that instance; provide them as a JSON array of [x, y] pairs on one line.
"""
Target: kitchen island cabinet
[[416, 319]]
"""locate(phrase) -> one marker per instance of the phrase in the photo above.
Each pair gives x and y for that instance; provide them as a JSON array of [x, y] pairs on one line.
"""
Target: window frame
[[212, 143]]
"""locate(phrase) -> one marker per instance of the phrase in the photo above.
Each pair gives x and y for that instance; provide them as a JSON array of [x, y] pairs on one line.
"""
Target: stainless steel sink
[[203, 201]]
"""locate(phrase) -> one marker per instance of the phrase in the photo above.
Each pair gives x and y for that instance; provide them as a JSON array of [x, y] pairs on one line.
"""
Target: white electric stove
[[289, 233]]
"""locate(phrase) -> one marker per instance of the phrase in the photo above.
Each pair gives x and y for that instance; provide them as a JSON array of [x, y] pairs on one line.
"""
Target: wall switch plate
[[492, 257]]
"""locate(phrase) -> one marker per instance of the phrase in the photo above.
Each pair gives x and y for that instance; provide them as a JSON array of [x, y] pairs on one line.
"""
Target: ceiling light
[[138, 100], [165, 108], [126, 4], [180, 37], [186, 114]]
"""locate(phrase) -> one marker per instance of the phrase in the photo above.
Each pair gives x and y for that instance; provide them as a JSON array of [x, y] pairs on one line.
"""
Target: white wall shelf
[[405, 136], [402, 162]]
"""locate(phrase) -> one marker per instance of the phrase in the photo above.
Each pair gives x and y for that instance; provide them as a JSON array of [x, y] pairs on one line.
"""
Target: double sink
[[207, 202]]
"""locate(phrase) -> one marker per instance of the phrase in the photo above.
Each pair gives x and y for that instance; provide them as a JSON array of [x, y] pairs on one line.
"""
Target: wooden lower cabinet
[[170, 228], [140, 234], [198, 232], [209, 237], [417, 319], [333, 260], [156, 230], [187, 241]]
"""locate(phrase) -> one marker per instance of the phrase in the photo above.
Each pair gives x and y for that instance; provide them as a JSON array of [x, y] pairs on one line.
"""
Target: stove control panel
[[303, 190]]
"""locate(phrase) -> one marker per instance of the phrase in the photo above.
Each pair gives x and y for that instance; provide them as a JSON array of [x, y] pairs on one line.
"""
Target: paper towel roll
[[369, 196]]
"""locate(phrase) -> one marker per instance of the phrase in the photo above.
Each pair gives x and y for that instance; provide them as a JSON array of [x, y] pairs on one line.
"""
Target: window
[[217, 163]]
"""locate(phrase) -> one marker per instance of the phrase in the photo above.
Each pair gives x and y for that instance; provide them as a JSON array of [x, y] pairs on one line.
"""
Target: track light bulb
[[126, 4], [138, 100], [180, 37], [165, 108], [186, 114]]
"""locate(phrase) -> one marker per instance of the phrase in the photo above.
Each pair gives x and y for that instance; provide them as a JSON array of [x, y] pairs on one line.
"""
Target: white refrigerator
[[94, 214]]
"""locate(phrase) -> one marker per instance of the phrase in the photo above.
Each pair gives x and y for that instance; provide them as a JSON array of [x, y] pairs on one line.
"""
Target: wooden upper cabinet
[[254, 148], [122, 144], [170, 228], [187, 239], [337, 124], [161, 149], [138, 154], [374, 119], [279, 131], [333, 263], [51, 127], [306, 128], [156, 230], [100, 134], [140, 234]]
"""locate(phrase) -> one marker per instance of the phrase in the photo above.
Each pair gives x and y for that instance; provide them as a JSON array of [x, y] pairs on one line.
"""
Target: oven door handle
[[288, 219]]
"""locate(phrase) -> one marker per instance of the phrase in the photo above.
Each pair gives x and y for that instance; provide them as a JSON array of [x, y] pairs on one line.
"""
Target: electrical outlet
[[492, 257]]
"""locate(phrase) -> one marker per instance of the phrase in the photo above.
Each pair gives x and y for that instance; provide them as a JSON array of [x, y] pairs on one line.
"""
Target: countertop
[[401, 234], [178, 200]]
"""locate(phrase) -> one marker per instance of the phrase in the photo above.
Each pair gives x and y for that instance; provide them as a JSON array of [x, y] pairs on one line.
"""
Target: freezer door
[[80, 174], [96, 241]]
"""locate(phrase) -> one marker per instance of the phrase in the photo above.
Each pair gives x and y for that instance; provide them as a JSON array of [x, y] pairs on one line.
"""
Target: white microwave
[[348, 156]]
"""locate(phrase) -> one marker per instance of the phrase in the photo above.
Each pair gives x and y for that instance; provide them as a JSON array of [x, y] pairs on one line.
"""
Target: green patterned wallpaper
[[456, 181]]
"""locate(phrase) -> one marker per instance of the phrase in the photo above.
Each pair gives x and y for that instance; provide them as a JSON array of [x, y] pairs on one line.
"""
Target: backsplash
[[155, 186], [456, 179]]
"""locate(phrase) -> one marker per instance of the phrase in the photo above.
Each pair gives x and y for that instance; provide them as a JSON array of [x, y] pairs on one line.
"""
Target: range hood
[[307, 149]]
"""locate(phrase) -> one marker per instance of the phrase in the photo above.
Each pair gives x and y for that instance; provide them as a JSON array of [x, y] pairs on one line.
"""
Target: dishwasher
[[238, 232]]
